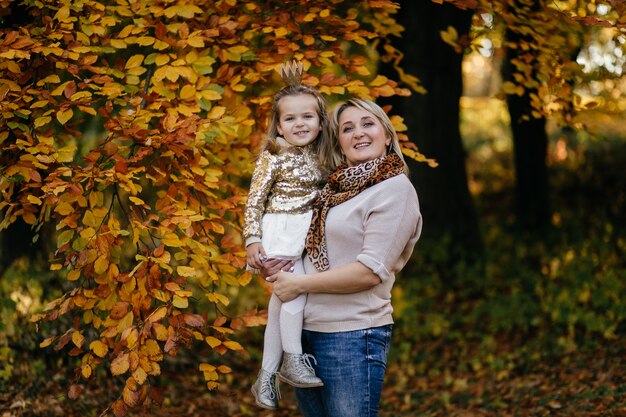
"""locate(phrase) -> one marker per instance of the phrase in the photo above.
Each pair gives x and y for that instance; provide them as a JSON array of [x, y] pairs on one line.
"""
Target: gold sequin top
[[288, 182]]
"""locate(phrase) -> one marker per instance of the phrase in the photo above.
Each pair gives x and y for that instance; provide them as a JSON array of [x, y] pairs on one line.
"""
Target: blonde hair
[[271, 144], [330, 152], [291, 73]]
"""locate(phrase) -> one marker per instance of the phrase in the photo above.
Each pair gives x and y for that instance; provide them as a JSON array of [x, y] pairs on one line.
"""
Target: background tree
[[432, 120]]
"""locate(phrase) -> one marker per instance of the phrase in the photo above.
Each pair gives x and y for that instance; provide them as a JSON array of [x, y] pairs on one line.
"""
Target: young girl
[[286, 180]]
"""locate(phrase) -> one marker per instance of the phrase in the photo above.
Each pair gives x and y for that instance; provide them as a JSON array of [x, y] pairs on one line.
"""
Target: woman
[[365, 225]]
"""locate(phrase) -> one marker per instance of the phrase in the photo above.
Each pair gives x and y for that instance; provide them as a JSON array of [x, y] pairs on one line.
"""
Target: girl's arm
[[346, 279], [261, 183]]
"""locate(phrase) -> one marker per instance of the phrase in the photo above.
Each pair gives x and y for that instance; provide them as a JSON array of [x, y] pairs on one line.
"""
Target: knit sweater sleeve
[[260, 186], [392, 227]]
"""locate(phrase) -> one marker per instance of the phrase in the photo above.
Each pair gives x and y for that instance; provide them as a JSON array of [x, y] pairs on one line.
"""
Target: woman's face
[[361, 136]]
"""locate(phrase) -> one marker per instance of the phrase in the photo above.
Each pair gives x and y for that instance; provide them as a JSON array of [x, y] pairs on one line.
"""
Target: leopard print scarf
[[343, 184]]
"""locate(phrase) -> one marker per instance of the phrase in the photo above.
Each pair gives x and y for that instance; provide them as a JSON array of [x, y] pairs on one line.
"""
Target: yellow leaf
[[158, 314], [203, 65], [65, 237], [47, 342], [215, 297], [131, 338], [52, 79], [140, 375], [186, 271], [378, 81], [42, 121], [80, 95], [145, 40], [134, 61], [118, 44], [213, 341], [137, 201], [34, 199], [59, 90], [508, 87], [56, 267], [130, 397], [188, 91], [180, 302], [78, 339], [223, 369], [160, 331], [206, 367], [64, 115], [98, 348], [171, 239], [281, 32], [85, 371], [73, 275], [120, 364], [13, 67], [126, 322], [196, 42], [101, 264], [62, 14], [152, 348], [234, 52], [216, 112], [450, 36], [232, 345]]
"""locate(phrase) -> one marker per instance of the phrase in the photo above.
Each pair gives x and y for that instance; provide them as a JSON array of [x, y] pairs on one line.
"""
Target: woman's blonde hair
[[330, 151]]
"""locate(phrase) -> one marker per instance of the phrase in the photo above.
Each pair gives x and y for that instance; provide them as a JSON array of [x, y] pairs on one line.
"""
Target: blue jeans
[[352, 366]]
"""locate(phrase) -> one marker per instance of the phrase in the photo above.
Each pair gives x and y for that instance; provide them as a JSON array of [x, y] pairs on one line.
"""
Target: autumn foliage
[[130, 127], [543, 42]]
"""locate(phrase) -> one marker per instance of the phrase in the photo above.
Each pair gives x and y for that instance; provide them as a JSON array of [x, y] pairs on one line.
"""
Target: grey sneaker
[[265, 390], [297, 371]]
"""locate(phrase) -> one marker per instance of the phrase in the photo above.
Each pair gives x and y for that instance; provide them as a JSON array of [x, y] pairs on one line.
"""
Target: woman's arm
[[346, 279]]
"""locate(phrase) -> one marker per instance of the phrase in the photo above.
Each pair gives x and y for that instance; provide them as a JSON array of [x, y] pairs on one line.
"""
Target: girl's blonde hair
[[330, 152], [271, 144]]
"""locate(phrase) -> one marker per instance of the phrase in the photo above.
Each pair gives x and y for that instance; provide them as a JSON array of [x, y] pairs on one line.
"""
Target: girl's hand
[[286, 285], [273, 266], [255, 255]]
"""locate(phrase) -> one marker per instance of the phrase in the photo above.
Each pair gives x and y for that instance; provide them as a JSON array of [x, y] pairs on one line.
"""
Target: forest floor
[[579, 384]]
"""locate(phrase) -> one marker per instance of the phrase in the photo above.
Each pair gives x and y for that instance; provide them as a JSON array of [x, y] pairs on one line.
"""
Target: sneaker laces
[[305, 359], [267, 385]]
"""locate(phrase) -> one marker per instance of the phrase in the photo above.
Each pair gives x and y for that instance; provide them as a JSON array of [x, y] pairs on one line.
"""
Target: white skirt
[[284, 234]]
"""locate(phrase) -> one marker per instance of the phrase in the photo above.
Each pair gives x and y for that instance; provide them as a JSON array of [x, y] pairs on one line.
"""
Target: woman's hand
[[273, 266], [286, 285], [255, 255]]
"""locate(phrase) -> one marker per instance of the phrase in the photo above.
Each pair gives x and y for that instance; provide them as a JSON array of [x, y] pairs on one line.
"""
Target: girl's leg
[[291, 317], [272, 345], [296, 369], [352, 366]]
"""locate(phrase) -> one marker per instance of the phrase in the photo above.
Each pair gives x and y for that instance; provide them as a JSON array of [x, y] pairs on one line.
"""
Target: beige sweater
[[379, 228]]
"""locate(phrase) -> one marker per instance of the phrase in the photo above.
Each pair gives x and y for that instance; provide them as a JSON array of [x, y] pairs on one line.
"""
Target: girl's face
[[361, 136], [298, 119]]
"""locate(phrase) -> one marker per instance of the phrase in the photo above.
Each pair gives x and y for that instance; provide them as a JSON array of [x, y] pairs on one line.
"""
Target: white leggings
[[284, 328]]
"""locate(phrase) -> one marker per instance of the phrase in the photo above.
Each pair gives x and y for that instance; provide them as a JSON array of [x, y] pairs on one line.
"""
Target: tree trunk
[[433, 123], [530, 147]]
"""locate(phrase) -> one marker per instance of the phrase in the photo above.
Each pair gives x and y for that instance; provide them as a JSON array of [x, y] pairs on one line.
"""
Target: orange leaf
[[120, 364], [119, 408]]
